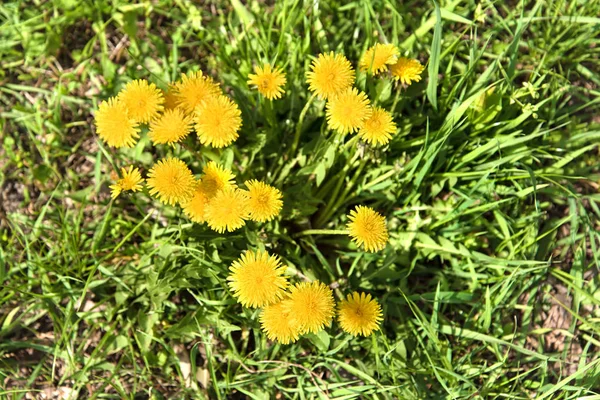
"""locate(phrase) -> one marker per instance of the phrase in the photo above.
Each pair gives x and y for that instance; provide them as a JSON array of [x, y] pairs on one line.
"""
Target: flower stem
[[299, 124]]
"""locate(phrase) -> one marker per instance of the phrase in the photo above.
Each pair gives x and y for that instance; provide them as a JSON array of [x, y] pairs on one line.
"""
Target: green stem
[[381, 178], [339, 177], [300, 122], [321, 232], [333, 206]]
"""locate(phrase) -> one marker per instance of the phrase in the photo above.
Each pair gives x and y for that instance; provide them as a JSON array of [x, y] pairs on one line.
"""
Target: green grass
[[489, 284]]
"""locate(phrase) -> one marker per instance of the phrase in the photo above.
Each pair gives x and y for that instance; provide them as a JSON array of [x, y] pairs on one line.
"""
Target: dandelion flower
[[367, 228], [195, 207], [278, 324], [377, 58], [359, 314], [227, 211], [268, 80], [407, 70], [218, 121], [330, 74], [171, 127], [171, 181], [143, 100], [193, 89], [131, 180], [215, 178], [311, 306], [264, 201], [257, 279], [114, 126], [348, 110], [171, 98], [378, 128]]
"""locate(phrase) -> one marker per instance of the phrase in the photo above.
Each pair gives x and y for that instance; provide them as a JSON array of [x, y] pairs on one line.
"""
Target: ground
[[488, 284]]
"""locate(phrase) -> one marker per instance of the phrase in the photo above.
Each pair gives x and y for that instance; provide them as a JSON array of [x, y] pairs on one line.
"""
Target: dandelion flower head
[[215, 177], [348, 110], [330, 74], [171, 181], [268, 80], [257, 279], [367, 228], [227, 211], [114, 125], [377, 58], [171, 127], [407, 70], [311, 306], [195, 207], [193, 89], [131, 180], [218, 120], [359, 314], [378, 128], [264, 201], [143, 100], [277, 323]]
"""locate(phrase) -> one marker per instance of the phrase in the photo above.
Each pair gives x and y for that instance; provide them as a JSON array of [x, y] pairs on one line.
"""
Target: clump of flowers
[[212, 196]]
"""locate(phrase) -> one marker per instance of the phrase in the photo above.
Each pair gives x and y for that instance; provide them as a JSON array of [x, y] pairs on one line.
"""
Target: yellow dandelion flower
[[377, 58], [359, 314], [114, 126], [171, 98], [131, 180], [195, 207], [171, 181], [171, 127], [257, 279], [311, 306], [264, 201], [348, 110], [193, 89], [227, 211], [329, 75], [407, 70], [215, 178], [367, 228], [378, 128], [278, 324], [143, 100], [218, 121], [268, 80]]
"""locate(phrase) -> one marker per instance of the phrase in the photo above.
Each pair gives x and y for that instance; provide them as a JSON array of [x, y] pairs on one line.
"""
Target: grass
[[489, 284]]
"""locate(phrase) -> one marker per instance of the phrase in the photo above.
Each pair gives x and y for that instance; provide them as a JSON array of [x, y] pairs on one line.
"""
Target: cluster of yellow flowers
[[257, 281], [197, 103], [349, 110]]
